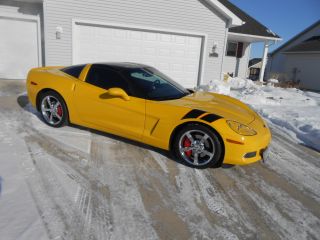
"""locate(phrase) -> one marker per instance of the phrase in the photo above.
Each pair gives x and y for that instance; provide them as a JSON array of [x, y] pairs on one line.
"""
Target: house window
[[232, 49]]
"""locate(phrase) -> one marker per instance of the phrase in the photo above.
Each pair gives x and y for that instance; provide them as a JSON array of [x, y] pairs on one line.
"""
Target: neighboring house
[[192, 41], [254, 68], [298, 60]]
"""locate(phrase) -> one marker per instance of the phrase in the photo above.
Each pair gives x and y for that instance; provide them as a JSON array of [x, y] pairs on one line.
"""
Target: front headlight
[[241, 128]]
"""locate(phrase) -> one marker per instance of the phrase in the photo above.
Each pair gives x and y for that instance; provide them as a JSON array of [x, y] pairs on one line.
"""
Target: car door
[[97, 109]]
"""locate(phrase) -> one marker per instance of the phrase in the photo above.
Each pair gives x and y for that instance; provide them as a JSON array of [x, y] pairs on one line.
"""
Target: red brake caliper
[[187, 143], [59, 110]]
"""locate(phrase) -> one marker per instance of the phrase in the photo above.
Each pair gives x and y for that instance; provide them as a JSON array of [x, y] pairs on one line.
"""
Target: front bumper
[[252, 149]]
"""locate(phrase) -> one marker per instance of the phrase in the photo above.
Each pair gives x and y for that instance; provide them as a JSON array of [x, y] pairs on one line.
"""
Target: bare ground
[[89, 185]]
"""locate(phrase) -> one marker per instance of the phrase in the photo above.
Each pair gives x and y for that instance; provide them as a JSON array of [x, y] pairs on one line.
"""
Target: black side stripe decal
[[210, 118], [193, 114]]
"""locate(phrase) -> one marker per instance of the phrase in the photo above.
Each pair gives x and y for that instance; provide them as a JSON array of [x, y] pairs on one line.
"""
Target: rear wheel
[[198, 146], [53, 109]]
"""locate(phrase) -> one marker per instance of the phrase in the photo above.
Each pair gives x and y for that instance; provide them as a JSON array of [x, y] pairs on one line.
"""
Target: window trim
[[236, 52]]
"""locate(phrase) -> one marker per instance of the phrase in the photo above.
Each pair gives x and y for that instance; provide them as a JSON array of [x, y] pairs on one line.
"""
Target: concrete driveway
[[73, 183]]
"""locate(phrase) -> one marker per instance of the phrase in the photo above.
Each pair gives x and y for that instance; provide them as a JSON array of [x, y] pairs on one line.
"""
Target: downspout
[[224, 51]]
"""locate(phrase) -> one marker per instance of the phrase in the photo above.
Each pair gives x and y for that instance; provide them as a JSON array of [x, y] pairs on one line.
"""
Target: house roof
[[251, 25], [295, 38], [310, 45], [254, 61], [233, 19]]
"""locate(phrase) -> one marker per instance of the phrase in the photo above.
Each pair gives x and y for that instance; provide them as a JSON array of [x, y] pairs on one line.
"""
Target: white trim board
[[256, 37], [29, 18], [203, 36], [233, 20]]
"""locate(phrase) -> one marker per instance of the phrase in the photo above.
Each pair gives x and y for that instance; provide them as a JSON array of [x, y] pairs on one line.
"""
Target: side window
[[232, 49], [74, 71], [106, 78]]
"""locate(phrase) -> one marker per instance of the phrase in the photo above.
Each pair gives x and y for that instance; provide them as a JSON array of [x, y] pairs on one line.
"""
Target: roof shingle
[[310, 45], [251, 26], [292, 40]]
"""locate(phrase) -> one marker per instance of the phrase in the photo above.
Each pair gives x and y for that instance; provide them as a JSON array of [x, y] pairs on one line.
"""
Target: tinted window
[[74, 71], [106, 78], [151, 84]]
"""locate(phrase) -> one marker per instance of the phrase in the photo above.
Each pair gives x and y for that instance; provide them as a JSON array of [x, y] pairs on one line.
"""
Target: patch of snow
[[217, 86], [19, 218], [292, 110], [160, 160], [273, 80], [240, 83]]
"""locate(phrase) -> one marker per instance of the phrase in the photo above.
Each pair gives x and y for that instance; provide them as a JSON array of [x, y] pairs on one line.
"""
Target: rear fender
[[51, 78]]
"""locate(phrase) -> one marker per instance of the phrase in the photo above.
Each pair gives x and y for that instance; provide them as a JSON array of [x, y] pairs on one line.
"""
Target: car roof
[[122, 65]]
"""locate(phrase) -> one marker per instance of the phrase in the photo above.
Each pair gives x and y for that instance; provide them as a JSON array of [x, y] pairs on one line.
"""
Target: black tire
[[201, 148], [57, 109]]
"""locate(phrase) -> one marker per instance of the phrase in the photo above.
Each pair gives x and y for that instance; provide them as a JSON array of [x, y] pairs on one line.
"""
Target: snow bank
[[273, 81], [216, 86], [291, 110]]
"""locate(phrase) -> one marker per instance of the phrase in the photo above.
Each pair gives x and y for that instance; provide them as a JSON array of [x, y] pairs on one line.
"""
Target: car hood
[[224, 106]]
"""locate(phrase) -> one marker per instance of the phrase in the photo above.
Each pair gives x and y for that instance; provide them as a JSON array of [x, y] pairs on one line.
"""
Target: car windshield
[[151, 84]]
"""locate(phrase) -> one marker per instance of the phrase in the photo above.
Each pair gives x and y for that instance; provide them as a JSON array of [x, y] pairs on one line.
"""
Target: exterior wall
[[13, 7], [307, 70], [231, 64], [276, 63], [8, 7], [181, 15]]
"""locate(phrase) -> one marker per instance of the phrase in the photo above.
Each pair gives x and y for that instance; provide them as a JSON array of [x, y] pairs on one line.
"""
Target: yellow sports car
[[140, 103]]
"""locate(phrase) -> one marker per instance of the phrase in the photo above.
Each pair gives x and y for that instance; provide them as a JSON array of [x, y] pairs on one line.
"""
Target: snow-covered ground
[[293, 111], [72, 183]]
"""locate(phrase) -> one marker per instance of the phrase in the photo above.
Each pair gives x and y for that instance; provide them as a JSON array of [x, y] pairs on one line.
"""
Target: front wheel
[[198, 146], [53, 109]]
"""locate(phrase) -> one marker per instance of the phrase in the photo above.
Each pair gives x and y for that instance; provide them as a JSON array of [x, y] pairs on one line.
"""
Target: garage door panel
[[176, 55], [150, 37], [18, 47]]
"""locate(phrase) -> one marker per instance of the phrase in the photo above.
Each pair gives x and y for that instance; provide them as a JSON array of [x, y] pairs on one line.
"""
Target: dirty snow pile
[[295, 112]]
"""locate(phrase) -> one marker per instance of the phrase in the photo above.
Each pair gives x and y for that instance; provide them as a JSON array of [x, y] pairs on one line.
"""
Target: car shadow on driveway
[[23, 102]]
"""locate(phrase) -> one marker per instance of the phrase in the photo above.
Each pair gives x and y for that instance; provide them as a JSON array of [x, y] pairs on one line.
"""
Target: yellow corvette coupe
[[140, 103]]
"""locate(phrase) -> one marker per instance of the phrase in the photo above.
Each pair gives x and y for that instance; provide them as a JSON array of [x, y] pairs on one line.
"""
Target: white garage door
[[18, 47], [176, 55]]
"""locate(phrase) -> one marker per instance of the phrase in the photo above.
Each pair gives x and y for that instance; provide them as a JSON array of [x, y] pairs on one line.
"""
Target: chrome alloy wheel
[[196, 147], [52, 110]]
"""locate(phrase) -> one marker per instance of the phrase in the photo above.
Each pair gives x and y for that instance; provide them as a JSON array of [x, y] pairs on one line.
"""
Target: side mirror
[[118, 92]]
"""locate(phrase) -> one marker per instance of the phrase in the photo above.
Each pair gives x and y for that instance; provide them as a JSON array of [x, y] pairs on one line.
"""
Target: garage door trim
[[30, 19], [203, 37]]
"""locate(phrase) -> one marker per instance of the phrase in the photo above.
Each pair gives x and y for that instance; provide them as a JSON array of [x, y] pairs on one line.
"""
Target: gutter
[[233, 20]]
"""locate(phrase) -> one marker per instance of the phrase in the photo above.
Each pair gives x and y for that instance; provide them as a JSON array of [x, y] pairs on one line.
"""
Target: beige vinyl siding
[[180, 15]]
